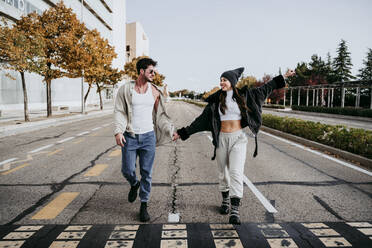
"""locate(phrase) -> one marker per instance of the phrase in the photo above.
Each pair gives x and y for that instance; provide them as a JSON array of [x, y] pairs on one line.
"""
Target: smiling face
[[225, 84], [149, 73]]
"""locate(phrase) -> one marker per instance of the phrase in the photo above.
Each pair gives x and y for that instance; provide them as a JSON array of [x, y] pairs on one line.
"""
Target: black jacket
[[209, 119]]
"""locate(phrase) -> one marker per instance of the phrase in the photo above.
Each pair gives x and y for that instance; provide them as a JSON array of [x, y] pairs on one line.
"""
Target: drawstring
[[256, 149], [214, 153]]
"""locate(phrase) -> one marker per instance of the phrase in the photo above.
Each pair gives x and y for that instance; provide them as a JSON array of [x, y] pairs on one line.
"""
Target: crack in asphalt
[[41, 139], [320, 171], [173, 180], [328, 208], [308, 184], [57, 187]]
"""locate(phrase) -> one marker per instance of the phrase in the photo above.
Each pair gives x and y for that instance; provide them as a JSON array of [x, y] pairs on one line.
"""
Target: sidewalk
[[12, 122]]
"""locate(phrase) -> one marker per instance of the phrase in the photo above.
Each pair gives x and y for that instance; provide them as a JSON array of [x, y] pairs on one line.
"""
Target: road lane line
[[64, 140], [79, 141], [257, 193], [55, 207], [94, 129], [14, 169], [260, 196], [56, 151], [115, 153], [80, 134], [41, 148], [96, 170], [8, 161], [321, 154]]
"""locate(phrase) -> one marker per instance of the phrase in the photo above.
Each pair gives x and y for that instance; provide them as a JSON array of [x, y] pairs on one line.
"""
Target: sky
[[195, 41]]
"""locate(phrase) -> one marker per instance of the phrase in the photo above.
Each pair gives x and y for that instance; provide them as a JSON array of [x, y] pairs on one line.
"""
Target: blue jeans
[[143, 146]]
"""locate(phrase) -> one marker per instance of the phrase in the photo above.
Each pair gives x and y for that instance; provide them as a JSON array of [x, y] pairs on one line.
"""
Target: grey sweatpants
[[230, 155]]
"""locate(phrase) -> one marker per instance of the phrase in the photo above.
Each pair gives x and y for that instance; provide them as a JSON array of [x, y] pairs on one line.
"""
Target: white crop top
[[232, 111], [143, 105]]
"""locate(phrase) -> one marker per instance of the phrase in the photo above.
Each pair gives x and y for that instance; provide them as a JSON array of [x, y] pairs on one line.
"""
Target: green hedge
[[339, 111], [275, 106], [358, 141]]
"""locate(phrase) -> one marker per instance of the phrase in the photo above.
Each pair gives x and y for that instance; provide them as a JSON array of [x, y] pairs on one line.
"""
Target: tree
[[98, 71], [62, 34], [249, 81], [130, 71], [21, 52], [342, 63], [365, 73], [212, 91]]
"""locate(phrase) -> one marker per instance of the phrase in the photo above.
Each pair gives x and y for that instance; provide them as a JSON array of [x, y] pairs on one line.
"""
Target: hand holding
[[289, 73], [175, 136]]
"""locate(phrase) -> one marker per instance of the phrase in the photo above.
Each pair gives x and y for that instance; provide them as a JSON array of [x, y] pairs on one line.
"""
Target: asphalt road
[[65, 176]]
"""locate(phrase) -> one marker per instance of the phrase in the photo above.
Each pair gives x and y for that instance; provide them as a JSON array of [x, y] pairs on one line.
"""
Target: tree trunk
[[86, 95], [49, 97], [25, 98], [100, 96]]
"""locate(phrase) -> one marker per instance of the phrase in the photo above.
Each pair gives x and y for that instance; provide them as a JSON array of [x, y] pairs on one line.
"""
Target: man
[[141, 122]]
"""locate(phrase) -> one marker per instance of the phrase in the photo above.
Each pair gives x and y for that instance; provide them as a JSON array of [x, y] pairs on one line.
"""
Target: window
[[128, 48], [10, 2]]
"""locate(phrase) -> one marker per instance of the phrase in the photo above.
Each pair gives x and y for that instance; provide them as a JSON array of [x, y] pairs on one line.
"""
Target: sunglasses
[[152, 71]]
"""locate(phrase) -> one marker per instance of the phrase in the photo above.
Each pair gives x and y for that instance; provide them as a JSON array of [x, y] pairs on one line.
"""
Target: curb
[[38, 125], [364, 162], [345, 117]]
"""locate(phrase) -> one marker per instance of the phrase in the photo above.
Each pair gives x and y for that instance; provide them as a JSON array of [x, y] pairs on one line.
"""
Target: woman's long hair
[[238, 99]]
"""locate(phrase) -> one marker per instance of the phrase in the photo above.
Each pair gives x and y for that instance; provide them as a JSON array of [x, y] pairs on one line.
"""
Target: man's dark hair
[[144, 63]]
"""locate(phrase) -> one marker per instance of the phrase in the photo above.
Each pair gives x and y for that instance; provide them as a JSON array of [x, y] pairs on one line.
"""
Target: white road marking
[[321, 154], [41, 148], [257, 193], [67, 139], [83, 133], [94, 129], [173, 217], [260, 196], [107, 125], [7, 161]]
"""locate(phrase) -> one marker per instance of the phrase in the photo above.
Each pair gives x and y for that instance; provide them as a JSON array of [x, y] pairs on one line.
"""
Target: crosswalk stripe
[[55, 207], [96, 170]]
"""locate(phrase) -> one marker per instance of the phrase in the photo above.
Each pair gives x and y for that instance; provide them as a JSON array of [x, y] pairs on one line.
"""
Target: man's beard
[[149, 79]]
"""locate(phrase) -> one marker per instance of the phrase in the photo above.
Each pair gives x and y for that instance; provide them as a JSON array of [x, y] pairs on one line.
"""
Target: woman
[[229, 110]]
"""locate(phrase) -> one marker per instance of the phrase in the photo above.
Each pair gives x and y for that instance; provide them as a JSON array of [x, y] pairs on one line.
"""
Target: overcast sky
[[194, 41]]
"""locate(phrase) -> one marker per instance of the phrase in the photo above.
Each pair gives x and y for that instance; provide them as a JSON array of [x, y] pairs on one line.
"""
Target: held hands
[[175, 136], [289, 73], [120, 140]]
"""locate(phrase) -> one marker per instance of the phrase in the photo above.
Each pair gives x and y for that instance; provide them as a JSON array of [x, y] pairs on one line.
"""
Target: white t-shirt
[[142, 105], [232, 111]]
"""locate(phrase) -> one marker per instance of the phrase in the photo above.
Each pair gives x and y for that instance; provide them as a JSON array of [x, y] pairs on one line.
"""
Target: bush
[[338, 110], [358, 141], [275, 106]]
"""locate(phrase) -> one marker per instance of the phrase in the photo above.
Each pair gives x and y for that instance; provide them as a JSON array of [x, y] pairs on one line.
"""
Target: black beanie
[[233, 75]]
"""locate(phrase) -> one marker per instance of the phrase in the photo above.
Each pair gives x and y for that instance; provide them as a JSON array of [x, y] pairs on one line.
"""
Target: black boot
[[132, 195], [144, 215], [234, 212], [225, 205]]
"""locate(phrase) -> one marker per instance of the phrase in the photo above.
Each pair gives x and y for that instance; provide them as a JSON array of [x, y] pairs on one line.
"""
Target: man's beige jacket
[[163, 126]]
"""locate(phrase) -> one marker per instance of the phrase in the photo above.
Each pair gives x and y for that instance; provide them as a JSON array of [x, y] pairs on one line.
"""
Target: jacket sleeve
[[265, 90], [201, 123], [120, 113]]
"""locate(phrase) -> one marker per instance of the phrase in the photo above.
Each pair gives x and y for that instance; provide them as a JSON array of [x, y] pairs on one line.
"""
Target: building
[[107, 16], [137, 41]]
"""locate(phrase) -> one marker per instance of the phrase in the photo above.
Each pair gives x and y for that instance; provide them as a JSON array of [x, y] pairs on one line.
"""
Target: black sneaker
[[234, 212], [144, 215], [225, 205], [132, 195]]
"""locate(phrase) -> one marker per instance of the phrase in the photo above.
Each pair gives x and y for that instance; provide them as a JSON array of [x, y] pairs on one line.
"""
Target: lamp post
[[82, 76]]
